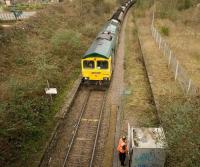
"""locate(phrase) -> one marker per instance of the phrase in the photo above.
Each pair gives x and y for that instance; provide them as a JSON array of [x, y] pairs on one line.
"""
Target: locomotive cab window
[[88, 64], [102, 64]]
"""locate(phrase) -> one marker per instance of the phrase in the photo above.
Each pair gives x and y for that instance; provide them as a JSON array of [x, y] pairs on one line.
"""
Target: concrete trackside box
[[148, 147]]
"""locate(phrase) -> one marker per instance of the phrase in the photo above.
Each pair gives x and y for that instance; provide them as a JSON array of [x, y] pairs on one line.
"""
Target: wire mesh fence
[[9, 16], [180, 74]]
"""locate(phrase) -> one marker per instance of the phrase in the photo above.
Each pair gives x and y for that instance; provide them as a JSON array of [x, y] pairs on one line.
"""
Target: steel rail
[[97, 133], [77, 126]]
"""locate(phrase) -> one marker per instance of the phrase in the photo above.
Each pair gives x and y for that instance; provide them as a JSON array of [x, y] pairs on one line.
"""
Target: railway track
[[76, 142], [83, 143]]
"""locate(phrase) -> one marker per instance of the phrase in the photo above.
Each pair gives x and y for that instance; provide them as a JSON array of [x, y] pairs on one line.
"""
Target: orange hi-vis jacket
[[120, 145]]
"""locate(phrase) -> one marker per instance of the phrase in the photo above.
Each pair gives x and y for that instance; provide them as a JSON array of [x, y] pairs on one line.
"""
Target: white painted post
[[152, 20], [157, 36], [176, 74], [160, 42], [189, 85], [154, 33], [165, 51], [170, 57]]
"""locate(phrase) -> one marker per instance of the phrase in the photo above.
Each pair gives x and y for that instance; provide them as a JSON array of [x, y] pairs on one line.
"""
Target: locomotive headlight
[[86, 78], [105, 78]]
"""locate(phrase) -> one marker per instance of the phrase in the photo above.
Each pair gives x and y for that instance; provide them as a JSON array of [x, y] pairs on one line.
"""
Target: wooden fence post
[[160, 42], [165, 52], [157, 36], [170, 57], [176, 74], [189, 85], [152, 23], [154, 33]]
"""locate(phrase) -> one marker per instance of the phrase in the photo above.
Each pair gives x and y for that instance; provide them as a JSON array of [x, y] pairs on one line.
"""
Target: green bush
[[144, 4], [25, 121], [181, 124], [45, 70], [164, 30], [166, 9], [184, 4], [63, 37]]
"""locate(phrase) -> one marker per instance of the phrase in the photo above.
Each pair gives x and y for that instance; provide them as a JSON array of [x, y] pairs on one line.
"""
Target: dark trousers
[[122, 157]]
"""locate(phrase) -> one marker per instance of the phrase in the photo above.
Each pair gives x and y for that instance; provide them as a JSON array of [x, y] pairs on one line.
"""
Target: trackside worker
[[122, 149], [123, 139]]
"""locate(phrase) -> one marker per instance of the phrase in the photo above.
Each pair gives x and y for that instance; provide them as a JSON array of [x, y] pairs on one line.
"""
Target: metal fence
[[9, 16], [180, 74]]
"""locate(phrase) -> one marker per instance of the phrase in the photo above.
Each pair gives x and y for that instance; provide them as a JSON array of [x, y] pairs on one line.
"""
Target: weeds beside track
[[76, 139]]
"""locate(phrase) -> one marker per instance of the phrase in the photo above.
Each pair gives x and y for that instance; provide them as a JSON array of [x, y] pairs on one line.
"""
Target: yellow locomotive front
[[98, 62], [96, 69]]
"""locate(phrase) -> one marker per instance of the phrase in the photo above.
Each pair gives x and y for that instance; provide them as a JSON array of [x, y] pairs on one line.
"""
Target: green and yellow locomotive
[[97, 63]]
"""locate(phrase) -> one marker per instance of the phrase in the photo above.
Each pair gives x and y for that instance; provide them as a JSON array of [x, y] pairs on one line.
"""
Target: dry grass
[[184, 40], [163, 81], [138, 108], [177, 112]]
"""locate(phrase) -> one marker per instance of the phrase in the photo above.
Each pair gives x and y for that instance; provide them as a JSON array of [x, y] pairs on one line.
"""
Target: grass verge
[[48, 46]]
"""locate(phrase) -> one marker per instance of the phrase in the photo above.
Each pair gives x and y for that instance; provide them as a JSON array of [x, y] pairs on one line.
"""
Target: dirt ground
[[138, 109]]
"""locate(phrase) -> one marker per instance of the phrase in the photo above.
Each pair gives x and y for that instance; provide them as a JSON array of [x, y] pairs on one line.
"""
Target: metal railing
[[180, 74], [10, 16]]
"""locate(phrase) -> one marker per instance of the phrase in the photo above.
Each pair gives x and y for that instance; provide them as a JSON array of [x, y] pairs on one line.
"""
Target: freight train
[[97, 64]]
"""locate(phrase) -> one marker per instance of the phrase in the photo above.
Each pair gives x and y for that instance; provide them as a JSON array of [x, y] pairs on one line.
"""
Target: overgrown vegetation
[[180, 117], [141, 6], [164, 9], [46, 47], [181, 123], [169, 9]]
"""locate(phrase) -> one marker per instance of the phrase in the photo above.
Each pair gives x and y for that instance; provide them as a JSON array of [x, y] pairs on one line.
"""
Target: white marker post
[[50, 91], [170, 57], [189, 85], [176, 74], [160, 42], [153, 19], [165, 49]]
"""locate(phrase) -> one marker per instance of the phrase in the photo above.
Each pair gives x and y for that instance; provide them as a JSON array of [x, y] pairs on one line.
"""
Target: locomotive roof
[[101, 47], [103, 44]]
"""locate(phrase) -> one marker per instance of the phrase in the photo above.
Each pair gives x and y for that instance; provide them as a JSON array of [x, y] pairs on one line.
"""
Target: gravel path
[[114, 102]]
